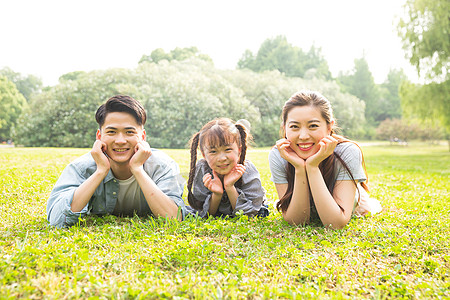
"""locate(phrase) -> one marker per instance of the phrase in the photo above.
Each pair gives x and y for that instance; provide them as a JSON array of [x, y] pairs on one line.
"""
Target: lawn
[[402, 252]]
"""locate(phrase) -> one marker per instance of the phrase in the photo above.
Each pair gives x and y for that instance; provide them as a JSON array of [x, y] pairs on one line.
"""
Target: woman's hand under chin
[[286, 152], [327, 146]]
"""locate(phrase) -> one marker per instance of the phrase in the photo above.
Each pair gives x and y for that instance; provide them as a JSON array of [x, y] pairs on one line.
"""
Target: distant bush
[[179, 96], [397, 129]]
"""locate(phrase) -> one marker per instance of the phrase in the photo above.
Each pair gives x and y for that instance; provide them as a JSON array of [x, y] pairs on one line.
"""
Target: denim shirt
[[160, 167]]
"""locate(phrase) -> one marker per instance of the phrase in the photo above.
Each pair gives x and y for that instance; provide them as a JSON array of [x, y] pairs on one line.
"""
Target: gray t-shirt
[[349, 152], [251, 193]]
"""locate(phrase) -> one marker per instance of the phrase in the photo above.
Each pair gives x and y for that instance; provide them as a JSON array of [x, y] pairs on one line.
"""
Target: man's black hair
[[121, 103]]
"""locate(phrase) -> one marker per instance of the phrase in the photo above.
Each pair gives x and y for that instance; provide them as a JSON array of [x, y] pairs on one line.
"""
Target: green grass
[[400, 253]]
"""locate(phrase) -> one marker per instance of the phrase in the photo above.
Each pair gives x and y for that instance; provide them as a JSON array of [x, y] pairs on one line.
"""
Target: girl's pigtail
[[243, 134], [194, 145]]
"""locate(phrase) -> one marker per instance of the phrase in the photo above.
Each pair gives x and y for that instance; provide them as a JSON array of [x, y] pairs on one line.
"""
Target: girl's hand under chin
[[286, 152], [327, 146], [234, 175], [213, 184]]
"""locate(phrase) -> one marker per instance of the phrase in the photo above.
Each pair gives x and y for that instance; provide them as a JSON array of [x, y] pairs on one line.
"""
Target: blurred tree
[[247, 61], [12, 102], [390, 106], [71, 76], [269, 90], [431, 131], [348, 109], [27, 85], [427, 102], [396, 130], [361, 84], [278, 54], [180, 97], [65, 113], [159, 54], [316, 61], [425, 31]]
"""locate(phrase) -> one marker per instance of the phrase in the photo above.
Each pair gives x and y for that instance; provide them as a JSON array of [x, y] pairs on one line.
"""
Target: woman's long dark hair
[[216, 133], [328, 166]]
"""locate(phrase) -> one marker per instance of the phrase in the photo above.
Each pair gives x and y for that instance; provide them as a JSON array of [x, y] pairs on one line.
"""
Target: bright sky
[[49, 38]]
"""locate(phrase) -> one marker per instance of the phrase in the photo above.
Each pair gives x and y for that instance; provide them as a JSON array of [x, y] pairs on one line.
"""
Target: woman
[[316, 172]]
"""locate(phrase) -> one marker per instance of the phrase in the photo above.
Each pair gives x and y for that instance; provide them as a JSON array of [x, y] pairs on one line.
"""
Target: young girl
[[316, 172], [223, 182]]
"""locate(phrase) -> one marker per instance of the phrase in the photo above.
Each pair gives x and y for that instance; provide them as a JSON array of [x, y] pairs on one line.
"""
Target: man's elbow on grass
[[176, 213], [61, 220], [59, 213]]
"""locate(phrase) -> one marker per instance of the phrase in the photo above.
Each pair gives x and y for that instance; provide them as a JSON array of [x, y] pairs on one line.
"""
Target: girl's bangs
[[216, 137]]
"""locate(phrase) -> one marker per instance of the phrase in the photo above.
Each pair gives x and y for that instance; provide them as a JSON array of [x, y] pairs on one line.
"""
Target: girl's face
[[305, 127], [222, 159]]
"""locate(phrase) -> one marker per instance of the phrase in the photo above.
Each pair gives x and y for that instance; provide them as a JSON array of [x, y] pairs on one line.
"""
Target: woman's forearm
[[299, 209], [329, 211]]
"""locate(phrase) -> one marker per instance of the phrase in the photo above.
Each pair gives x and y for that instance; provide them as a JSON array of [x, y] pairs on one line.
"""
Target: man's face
[[121, 133]]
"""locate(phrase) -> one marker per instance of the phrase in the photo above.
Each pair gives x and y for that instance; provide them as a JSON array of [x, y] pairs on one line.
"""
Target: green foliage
[[64, 115], [390, 105], [27, 85], [403, 131], [382, 102], [268, 91], [400, 253], [71, 76], [397, 129], [278, 54], [425, 33], [427, 102], [180, 97], [159, 54], [12, 102], [361, 84]]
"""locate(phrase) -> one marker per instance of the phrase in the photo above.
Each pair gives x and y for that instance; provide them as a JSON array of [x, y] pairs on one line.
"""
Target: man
[[121, 175]]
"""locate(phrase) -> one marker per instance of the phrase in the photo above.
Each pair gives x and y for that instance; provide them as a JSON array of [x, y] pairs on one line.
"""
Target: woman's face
[[305, 127]]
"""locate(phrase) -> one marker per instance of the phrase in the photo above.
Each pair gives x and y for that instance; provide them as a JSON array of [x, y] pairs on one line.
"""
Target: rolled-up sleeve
[[59, 213], [251, 193], [169, 180]]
